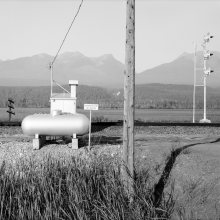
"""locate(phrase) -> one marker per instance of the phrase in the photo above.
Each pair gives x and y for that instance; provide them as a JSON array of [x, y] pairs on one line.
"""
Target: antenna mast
[[51, 72], [51, 63]]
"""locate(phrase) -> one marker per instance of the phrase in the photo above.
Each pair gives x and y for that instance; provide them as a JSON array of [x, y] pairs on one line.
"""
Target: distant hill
[[156, 95], [32, 71], [22, 82], [103, 71], [181, 71]]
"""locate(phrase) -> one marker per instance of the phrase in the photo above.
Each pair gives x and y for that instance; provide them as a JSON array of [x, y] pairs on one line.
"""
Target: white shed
[[66, 102]]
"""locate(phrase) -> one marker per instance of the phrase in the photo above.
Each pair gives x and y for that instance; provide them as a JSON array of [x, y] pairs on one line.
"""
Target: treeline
[[170, 96], [175, 96], [38, 97], [160, 96]]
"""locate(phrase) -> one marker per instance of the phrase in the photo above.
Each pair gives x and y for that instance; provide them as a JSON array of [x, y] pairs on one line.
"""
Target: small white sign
[[91, 107]]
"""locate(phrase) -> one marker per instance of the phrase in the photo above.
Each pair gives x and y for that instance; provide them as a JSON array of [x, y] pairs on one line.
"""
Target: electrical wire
[[67, 33]]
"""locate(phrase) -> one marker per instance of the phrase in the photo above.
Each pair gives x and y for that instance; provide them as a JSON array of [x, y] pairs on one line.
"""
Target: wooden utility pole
[[129, 97], [10, 106]]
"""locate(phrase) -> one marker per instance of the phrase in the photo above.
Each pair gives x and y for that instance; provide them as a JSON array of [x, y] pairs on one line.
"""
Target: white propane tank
[[55, 124]]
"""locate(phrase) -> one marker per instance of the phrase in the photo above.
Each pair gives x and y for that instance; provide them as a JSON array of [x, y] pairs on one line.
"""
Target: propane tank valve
[[56, 112]]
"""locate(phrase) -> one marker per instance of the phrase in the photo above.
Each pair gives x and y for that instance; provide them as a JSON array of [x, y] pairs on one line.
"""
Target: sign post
[[90, 107]]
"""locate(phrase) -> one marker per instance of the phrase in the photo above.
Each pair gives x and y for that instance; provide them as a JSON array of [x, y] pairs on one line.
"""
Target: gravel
[[6, 131], [190, 166], [14, 145], [161, 130]]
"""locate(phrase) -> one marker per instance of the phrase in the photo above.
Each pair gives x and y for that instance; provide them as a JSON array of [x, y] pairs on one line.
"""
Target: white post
[[90, 127], [205, 98], [204, 120], [90, 107], [204, 91], [194, 89]]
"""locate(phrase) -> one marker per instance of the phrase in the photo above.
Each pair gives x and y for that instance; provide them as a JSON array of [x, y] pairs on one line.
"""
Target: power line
[[67, 33]]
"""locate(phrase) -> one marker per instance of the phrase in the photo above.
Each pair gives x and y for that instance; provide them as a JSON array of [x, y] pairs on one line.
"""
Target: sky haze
[[164, 29]]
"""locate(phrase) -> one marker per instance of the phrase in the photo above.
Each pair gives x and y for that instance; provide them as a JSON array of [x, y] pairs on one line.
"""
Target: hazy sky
[[164, 29]]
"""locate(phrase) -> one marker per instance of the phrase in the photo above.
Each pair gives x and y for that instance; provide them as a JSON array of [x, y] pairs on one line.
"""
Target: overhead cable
[[67, 33]]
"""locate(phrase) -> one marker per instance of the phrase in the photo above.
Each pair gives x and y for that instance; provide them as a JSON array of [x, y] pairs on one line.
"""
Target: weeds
[[186, 151], [100, 118], [88, 187]]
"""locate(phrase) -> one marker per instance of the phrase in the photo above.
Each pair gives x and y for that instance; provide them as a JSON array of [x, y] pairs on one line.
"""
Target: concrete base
[[75, 144], [38, 142], [204, 121]]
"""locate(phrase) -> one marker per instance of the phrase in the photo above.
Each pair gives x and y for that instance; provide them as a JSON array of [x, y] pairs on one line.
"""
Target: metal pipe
[[51, 71], [61, 87], [90, 128], [204, 91], [194, 89], [204, 49], [205, 98]]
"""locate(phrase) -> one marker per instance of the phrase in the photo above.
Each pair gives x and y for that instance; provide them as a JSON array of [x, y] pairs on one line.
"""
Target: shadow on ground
[[99, 140], [99, 128], [84, 140]]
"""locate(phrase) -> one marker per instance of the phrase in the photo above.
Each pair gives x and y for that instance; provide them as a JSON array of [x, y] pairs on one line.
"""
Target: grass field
[[150, 115], [87, 187], [176, 178]]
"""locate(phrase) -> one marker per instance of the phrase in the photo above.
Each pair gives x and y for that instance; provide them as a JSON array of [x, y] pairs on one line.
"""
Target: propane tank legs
[[38, 141], [74, 142]]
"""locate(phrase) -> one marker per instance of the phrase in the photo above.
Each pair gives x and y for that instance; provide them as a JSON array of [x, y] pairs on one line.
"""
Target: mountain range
[[181, 71], [33, 71], [104, 71]]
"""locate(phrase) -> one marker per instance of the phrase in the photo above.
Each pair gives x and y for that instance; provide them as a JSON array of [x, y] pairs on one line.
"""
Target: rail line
[[10, 123], [137, 123]]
